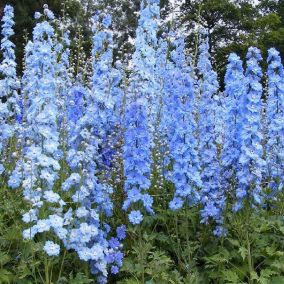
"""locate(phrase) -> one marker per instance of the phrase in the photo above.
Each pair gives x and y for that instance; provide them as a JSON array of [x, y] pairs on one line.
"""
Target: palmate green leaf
[[278, 264], [23, 269], [243, 252], [266, 275], [80, 279], [13, 234], [234, 242], [129, 281], [231, 277], [5, 276], [222, 257], [23, 281], [4, 258], [163, 238], [277, 280], [254, 276]]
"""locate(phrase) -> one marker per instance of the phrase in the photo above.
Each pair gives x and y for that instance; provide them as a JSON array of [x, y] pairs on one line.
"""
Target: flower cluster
[[275, 120], [252, 165], [145, 57], [181, 125], [212, 194], [234, 94], [9, 83], [137, 160]]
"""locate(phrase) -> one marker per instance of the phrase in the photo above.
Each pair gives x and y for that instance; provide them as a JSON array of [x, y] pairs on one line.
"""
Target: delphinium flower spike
[[40, 166], [251, 161], [137, 161], [89, 234], [9, 84], [275, 121], [145, 57], [106, 91], [212, 194], [181, 125], [141, 114], [234, 94]]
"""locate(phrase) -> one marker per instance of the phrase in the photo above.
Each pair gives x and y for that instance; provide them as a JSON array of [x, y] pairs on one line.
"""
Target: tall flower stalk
[[181, 128], [234, 95], [212, 194], [275, 120], [251, 161], [9, 84]]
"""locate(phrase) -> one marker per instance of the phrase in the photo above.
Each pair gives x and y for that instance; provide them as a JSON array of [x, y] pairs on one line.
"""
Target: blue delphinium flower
[[85, 234], [251, 157], [137, 158], [135, 217], [144, 59], [212, 194], [91, 115], [121, 232], [51, 248], [37, 171], [9, 83], [275, 120], [181, 126], [105, 90], [234, 93], [102, 54]]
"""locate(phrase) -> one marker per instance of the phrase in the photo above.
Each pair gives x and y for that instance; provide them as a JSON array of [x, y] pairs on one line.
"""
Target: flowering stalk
[[38, 170], [275, 120], [234, 93], [145, 57], [181, 126], [137, 160], [212, 194], [9, 83], [251, 156]]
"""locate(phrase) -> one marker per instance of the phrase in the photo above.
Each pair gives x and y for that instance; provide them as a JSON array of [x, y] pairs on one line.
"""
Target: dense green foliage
[[170, 247]]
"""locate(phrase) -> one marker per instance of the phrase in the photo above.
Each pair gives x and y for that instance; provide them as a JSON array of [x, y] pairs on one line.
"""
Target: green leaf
[[277, 280], [5, 276], [234, 242], [80, 279], [266, 274], [254, 276], [4, 258], [244, 252], [231, 276]]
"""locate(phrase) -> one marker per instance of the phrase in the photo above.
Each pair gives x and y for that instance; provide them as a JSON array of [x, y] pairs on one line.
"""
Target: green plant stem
[[177, 236], [141, 255], [250, 266], [187, 244], [62, 264], [40, 276], [249, 255], [46, 270]]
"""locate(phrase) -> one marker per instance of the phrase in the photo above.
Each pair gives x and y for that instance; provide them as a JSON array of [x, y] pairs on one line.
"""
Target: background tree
[[232, 26]]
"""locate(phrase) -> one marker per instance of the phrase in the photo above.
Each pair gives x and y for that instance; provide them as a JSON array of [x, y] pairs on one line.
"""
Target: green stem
[[62, 264], [250, 266], [187, 244], [249, 255], [46, 270], [141, 257]]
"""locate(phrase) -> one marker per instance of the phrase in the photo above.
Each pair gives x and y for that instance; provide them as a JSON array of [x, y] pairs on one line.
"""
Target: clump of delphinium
[[94, 144]]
